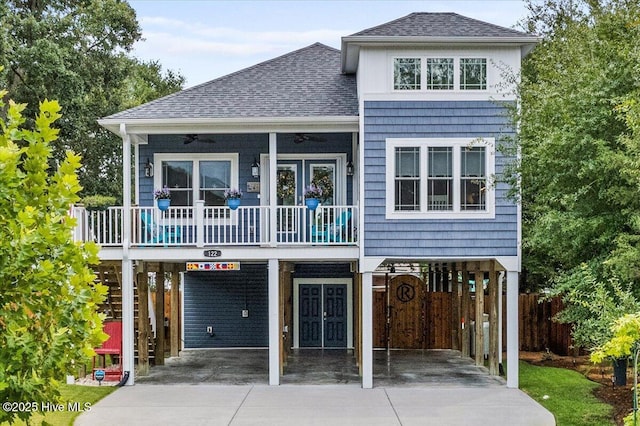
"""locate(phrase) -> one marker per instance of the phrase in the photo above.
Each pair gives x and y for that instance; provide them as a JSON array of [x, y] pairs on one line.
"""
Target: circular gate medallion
[[405, 292]]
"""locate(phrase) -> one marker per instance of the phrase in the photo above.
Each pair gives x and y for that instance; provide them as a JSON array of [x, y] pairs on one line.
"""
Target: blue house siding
[[323, 270], [217, 299], [433, 238], [248, 146]]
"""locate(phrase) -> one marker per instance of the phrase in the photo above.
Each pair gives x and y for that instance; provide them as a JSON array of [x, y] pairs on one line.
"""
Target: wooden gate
[[406, 310]]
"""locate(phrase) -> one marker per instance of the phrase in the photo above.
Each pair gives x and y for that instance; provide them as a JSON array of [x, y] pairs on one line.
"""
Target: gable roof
[[436, 29], [303, 83], [423, 24]]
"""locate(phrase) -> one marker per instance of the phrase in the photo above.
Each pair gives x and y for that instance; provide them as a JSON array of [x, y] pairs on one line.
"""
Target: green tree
[[48, 299], [579, 203], [77, 51]]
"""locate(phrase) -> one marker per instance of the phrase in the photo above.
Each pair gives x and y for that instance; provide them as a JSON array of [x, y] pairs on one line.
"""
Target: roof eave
[[351, 44], [232, 125]]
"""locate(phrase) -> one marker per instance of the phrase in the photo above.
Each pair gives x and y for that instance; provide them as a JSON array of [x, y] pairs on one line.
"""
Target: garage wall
[[217, 299]]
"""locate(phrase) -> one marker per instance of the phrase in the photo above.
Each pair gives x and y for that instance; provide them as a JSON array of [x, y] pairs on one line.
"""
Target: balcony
[[202, 226]]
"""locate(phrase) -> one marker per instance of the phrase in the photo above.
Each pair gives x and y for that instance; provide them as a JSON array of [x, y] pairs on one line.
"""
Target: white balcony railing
[[217, 226]]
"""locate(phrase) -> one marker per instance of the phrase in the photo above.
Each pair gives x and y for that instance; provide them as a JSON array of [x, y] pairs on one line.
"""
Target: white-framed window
[[473, 74], [192, 177], [444, 178], [439, 73], [407, 73]]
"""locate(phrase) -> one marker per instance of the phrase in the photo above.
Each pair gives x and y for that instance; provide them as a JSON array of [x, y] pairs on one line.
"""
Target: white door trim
[[340, 189]]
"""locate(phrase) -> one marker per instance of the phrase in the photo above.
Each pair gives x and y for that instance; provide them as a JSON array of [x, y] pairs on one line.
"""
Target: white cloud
[[178, 37]]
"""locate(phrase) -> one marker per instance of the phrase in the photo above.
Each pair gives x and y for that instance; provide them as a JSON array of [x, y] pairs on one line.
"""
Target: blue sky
[[204, 40]]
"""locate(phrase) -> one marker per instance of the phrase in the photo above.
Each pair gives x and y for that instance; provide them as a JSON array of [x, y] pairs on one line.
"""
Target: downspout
[[127, 264]]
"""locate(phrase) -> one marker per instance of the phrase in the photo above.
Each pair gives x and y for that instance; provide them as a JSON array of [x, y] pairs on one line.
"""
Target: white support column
[[500, 307], [136, 173], [273, 196], [367, 330], [512, 329], [274, 323], [200, 223], [128, 332]]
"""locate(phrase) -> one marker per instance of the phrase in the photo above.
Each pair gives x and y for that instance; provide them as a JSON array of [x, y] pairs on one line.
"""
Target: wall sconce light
[[148, 169], [255, 169], [349, 168]]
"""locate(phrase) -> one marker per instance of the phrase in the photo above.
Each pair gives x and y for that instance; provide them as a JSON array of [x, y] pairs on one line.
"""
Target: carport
[[392, 368]]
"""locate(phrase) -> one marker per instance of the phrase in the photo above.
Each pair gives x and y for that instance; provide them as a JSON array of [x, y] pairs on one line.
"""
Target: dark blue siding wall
[[249, 146], [323, 270], [217, 299], [433, 238]]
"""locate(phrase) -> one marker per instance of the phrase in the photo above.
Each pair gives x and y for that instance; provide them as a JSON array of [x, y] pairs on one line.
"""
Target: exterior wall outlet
[[245, 313], [209, 329]]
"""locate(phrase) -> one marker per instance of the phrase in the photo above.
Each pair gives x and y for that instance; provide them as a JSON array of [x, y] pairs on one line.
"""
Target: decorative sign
[[99, 376], [405, 292], [213, 266], [212, 253], [253, 186]]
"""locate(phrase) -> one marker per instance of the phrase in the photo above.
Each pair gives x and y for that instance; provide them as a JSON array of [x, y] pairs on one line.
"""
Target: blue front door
[[323, 315]]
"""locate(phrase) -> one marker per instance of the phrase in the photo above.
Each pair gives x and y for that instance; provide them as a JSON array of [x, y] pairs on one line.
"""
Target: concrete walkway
[[315, 405]]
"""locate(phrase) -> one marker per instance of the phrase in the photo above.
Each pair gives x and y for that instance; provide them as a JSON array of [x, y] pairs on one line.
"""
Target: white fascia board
[[147, 126], [235, 253], [351, 44]]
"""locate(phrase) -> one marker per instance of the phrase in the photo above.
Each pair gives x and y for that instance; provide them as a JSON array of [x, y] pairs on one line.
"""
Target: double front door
[[323, 315]]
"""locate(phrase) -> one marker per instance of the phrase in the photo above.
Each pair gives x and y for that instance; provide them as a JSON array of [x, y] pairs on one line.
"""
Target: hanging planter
[[164, 203], [163, 198], [233, 203], [311, 203], [233, 198], [312, 194]]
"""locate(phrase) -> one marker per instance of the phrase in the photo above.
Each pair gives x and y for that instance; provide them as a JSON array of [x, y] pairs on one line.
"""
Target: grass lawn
[[570, 396], [70, 394]]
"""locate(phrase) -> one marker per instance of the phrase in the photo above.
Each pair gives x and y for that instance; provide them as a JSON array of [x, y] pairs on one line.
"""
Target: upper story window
[[203, 178], [473, 74], [407, 178], [439, 178], [406, 74], [439, 74]]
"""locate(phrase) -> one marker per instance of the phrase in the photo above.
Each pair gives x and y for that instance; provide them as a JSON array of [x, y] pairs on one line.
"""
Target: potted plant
[[98, 202], [163, 198], [312, 195], [233, 198]]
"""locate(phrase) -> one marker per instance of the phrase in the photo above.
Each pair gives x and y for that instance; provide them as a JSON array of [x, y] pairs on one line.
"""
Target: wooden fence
[[537, 331]]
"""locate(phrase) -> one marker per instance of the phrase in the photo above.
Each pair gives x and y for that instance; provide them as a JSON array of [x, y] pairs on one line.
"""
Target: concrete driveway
[[315, 405], [229, 387]]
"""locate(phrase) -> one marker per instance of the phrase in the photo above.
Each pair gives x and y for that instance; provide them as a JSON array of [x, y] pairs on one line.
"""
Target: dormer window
[[406, 74]]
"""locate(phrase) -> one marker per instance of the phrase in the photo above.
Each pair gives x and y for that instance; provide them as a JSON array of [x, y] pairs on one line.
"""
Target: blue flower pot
[[312, 203], [163, 203], [233, 203]]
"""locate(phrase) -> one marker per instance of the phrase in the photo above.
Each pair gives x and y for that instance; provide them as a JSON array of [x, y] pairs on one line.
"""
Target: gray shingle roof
[[422, 24], [303, 83]]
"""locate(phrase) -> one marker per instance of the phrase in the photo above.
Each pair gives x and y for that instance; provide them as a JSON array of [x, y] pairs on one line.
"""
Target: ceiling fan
[[196, 138], [304, 137]]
